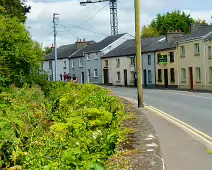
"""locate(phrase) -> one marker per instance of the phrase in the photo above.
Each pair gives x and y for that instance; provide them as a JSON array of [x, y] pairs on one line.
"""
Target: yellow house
[[166, 61], [195, 59]]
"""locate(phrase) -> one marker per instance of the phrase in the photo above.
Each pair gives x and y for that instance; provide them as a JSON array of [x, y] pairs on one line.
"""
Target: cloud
[[40, 18]]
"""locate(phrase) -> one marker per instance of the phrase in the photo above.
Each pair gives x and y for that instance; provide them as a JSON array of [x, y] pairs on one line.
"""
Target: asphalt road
[[194, 109]]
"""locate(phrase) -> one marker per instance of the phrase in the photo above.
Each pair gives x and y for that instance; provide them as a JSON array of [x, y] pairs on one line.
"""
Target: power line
[[67, 29], [92, 15]]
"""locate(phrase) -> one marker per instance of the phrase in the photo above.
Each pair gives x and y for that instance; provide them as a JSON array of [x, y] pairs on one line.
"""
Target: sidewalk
[[180, 151]]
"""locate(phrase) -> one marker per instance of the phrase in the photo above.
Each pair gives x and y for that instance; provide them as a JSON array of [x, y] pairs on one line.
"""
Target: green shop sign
[[163, 59]]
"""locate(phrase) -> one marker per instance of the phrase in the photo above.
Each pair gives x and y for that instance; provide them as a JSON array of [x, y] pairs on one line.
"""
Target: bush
[[73, 127]]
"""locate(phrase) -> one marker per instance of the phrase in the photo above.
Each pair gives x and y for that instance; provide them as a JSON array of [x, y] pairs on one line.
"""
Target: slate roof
[[62, 52], [128, 47], [199, 32], [97, 46]]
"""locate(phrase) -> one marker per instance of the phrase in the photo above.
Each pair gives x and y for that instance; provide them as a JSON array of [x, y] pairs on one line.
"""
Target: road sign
[[163, 59]]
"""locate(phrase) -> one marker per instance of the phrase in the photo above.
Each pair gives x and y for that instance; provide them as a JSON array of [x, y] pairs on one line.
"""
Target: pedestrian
[[69, 77], [74, 78], [65, 76]]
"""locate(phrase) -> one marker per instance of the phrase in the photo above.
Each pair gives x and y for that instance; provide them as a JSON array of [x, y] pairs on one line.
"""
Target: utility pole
[[138, 54], [55, 44]]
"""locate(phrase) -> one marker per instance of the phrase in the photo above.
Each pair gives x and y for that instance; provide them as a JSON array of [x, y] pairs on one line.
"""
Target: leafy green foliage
[[47, 50], [73, 127], [148, 31], [175, 20], [14, 8], [20, 55]]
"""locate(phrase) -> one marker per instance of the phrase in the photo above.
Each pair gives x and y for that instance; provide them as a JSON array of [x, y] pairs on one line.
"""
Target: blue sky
[[40, 18]]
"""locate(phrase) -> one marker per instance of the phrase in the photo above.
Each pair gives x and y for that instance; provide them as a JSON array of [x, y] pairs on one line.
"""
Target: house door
[[82, 78], [191, 78], [125, 77], [166, 80], [106, 76], [88, 75], [145, 78]]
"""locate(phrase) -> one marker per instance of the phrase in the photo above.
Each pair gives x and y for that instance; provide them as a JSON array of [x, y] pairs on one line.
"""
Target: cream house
[[195, 59], [166, 61]]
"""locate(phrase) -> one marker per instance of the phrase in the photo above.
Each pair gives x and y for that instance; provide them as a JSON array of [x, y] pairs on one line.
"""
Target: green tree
[[47, 50], [20, 56], [174, 20], [14, 8], [148, 31]]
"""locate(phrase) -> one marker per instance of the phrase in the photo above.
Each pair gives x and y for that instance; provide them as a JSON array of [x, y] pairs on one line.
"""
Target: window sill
[[80, 66], [183, 81], [172, 81], [95, 76], [88, 60], [118, 81], [95, 58], [197, 54], [197, 81], [182, 56]]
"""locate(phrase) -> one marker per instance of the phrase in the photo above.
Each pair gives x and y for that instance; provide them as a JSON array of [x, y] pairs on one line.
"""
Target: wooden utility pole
[[138, 54]]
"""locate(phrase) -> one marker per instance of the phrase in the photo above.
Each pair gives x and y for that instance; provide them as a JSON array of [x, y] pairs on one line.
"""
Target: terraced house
[[195, 58], [63, 52], [119, 66], [86, 63], [167, 61]]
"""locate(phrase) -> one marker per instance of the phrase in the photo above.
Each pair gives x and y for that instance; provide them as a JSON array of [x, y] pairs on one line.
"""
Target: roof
[[97, 46], [128, 47], [63, 51], [199, 32]]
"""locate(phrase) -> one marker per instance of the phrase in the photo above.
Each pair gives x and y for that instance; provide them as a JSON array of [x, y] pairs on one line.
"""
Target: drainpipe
[[178, 66], [205, 64]]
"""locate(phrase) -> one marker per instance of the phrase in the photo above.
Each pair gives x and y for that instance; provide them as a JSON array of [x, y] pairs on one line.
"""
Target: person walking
[[65, 76], [74, 78]]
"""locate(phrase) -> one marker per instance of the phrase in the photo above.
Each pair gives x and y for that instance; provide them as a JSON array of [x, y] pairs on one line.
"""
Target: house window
[[80, 62], [171, 54], [50, 64], [106, 63], [95, 73], [88, 57], [149, 59], [158, 58], [198, 74], [182, 51], [132, 60], [210, 74], [118, 76], [183, 74], [196, 48], [172, 75], [159, 75], [149, 76], [117, 62], [64, 65], [89, 72], [132, 76], [73, 64], [96, 56], [209, 52]]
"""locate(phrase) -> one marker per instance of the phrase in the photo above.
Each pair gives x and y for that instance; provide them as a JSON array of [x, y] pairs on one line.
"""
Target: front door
[[145, 78], [125, 77], [106, 76], [191, 78], [166, 80], [82, 78], [88, 75]]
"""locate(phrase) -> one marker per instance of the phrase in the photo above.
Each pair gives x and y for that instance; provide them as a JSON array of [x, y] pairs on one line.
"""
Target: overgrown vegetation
[[73, 127]]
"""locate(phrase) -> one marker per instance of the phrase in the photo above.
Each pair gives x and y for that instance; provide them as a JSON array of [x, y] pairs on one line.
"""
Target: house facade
[[195, 59], [63, 52], [91, 72], [167, 61]]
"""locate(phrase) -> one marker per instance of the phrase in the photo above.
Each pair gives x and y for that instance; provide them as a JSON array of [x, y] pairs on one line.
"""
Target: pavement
[[180, 151]]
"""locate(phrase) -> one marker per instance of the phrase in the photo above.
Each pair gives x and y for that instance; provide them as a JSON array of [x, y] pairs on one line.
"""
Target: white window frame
[[196, 48], [183, 74], [96, 58], [209, 51], [72, 63], [64, 62], [198, 76], [132, 76], [50, 64], [118, 76], [95, 73], [117, 62], [149, 76], [88, 57], [106, 63], [182, 51], [210, 74], [132, 60], [149, 58], [80, 62]]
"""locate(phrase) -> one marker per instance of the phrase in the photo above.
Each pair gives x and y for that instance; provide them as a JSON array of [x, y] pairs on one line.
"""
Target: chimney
[[198, 25], [83, 39], [173, 34], [52, 45], [80, 44]]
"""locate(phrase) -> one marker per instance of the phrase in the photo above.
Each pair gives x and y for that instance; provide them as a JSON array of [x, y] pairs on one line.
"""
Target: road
[[194, 109]]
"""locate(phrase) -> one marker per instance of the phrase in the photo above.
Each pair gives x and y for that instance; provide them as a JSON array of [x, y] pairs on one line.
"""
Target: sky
[[96, 17]]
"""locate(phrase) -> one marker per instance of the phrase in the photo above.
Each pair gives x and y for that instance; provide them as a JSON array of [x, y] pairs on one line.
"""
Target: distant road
[[193, 108]]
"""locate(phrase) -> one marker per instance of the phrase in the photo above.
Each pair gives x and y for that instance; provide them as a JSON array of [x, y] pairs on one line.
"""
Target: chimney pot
[[52, 45], [80, 40]]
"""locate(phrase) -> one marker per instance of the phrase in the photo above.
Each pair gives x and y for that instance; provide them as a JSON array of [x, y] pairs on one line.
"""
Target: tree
[[20, 56], [148, 31], [47, 50], [14, 8], [174, 20]]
